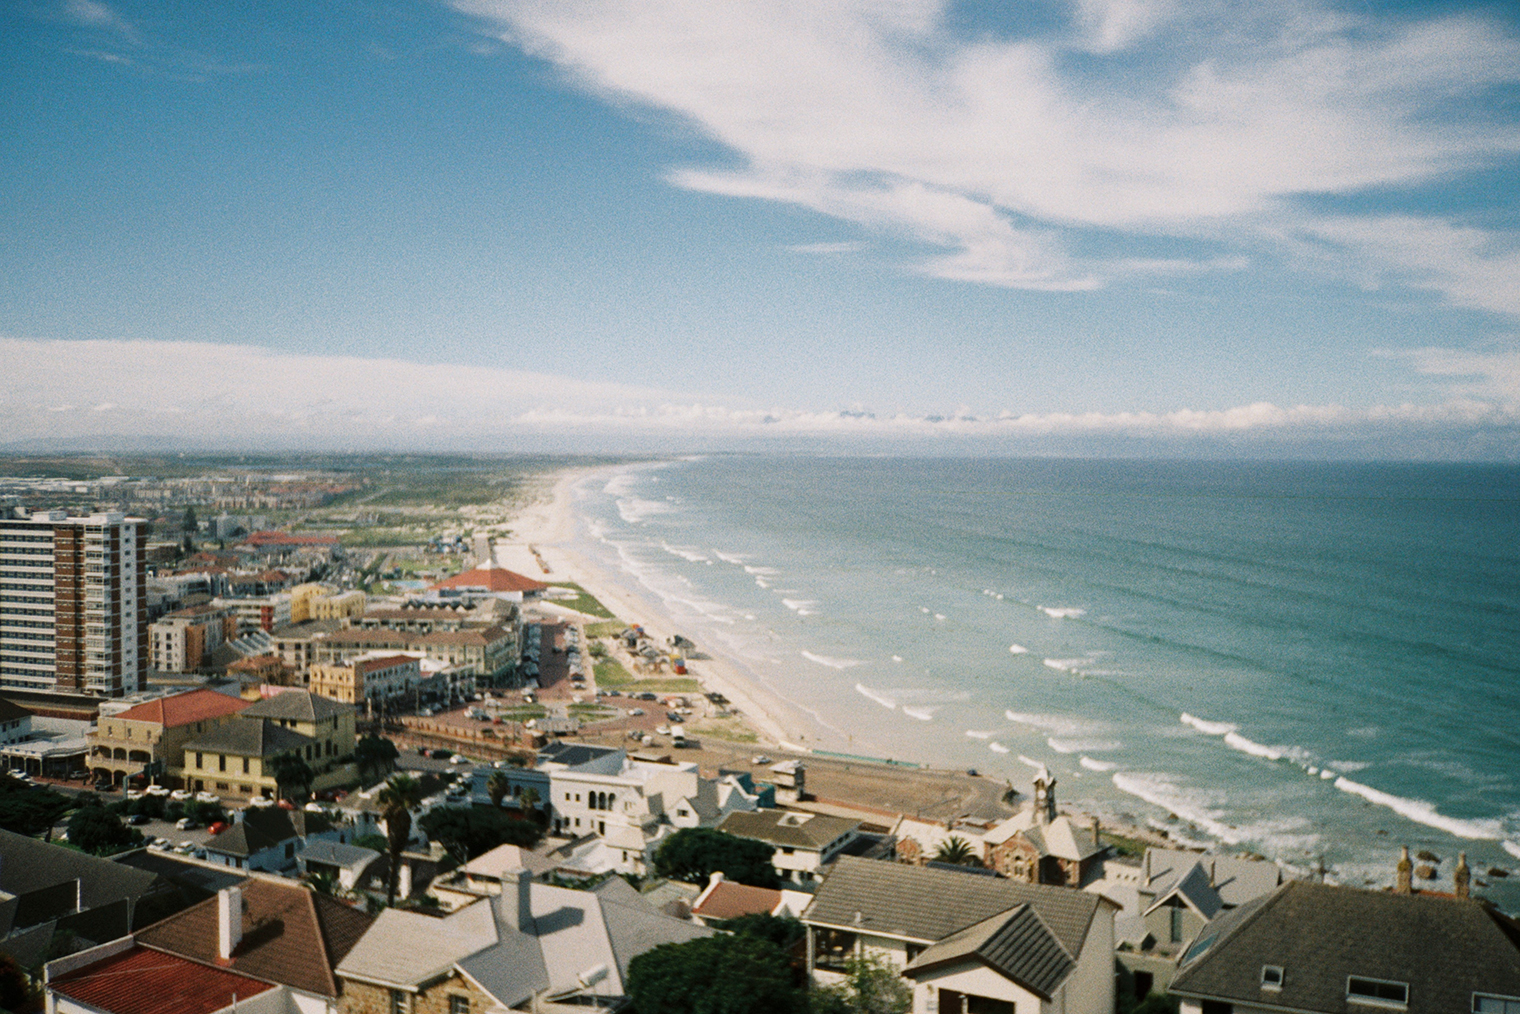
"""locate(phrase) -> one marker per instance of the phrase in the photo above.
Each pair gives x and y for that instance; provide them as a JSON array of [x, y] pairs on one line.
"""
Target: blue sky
[[1092, 226]]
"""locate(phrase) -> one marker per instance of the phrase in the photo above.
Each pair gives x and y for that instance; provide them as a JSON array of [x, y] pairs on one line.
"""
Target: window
[[1377, 992], [245, 765], [1495, 1004], [221, 762], [200, 759], [1271, 977], [459, 1005], [833, 948], [398, 1002]]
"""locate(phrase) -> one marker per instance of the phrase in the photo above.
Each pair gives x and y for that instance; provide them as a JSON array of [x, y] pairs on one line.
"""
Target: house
[[532, 943], [377, 676], [1315, 947], [270, 929], [804, 843], [156, 732], [1038, 846], [48, 890], [724, 899], [483, 876], [121, 977], [348, 865], [237, 758], [968, 943], [269, 838], [1166, 900]]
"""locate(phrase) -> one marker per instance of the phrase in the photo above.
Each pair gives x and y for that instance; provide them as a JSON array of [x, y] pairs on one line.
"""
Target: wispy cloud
[[239, 395], [96, 15], [1147, 117]]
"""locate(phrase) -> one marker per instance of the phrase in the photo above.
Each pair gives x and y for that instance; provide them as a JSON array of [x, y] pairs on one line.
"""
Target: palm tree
[[498, 786], [956, 851], [374, 755], [401, 795], [529, 801]]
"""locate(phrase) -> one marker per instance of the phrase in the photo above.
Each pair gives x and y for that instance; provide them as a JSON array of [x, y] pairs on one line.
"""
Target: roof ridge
[[1231, 932], [316, 918], [1051, 931]]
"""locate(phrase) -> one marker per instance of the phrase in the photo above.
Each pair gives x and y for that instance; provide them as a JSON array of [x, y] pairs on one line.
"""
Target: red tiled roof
[[182, 709], [291, 934], [495, 579], [371, 664], [145, 981], [729, 900]]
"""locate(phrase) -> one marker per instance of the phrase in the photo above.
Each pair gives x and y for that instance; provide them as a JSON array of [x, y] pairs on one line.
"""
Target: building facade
[[73, 602], [182, 640]]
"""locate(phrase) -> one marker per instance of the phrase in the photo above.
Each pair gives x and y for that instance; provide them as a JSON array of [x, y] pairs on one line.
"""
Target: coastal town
[[369, 738]]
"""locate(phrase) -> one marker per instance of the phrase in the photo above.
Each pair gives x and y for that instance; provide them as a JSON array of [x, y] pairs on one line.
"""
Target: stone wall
[[362, 998]]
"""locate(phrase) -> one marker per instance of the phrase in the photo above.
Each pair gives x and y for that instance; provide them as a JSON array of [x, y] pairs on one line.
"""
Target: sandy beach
[[548, 526]]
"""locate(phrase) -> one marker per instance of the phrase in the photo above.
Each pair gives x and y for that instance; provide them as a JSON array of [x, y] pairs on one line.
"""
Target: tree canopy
[[715, 975], [693, 853], [99, 831], [291, 771], [469, 831], [374, 755], [871, 986], [28, 810], [402, 794]]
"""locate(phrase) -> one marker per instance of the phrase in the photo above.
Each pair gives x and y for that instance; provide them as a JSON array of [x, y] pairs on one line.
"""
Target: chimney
[[1405, 882], [516, 904], [229, 921], [1462, 876]]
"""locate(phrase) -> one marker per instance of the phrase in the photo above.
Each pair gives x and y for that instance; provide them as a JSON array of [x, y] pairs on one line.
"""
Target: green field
[[584, 602]]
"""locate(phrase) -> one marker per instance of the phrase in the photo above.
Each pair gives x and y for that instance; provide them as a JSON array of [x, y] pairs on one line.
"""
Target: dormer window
[[1271, 977], [1378, 992]]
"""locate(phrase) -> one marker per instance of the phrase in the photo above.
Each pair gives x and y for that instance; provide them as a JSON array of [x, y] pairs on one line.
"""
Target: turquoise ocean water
[[1317, 662]]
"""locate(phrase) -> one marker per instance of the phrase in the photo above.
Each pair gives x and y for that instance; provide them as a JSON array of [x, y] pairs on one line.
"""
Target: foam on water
[[801, 606], [922, 714], [997, 748], [1017, 649], [897, 658], [1162, 791], [734, 558], [1080, 745], [832, 663], [1239, 742], [1062, 612], [1059, 725], [881, 699], [688, 553], [939, 616], [1422, 812], [978, 734], [1067, 664], [1209, 728], [1513, 848], [1097, 765]]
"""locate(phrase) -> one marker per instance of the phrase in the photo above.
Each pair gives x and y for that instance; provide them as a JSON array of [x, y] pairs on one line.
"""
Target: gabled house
[[125, 742], [724, 899], [1310, 947], [123, 978], [804, 843], [966, 942], [531, 944], [269, 838]]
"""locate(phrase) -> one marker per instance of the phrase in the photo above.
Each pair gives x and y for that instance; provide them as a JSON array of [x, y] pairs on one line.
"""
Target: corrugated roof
[[182, 709], [1443, 949], [918, 903], [291, 935], [146, 981]]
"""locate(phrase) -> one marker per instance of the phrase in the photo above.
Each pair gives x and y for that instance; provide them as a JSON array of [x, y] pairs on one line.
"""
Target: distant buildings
[[73, 601]]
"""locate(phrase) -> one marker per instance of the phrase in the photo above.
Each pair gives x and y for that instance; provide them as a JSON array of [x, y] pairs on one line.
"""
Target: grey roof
[[787, 828], [299, 705], [573, 754], [249, 737], [333, 853], [29, 866], [1444, 949], [202, 879], [1235, 880], [1019, 945], [917, 903], [258, 830], [1194, 888]]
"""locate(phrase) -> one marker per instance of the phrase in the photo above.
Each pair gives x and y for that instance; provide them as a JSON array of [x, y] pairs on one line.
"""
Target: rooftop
[[249, 737], [787, 828], [494, 579], [145, 981], [298, 705], [182, 709]]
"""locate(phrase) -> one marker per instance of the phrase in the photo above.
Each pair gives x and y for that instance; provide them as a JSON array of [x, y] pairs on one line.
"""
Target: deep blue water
[[1313, 661]]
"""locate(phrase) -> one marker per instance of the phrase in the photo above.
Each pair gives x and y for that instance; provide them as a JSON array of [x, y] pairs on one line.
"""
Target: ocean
[[1314, 662]]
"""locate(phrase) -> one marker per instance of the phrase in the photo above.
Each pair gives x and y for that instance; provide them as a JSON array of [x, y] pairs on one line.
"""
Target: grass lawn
[[584, 601], [1122, 845], [610, 675], [524, 713], [609, 629], [730, 729], [669, 685]]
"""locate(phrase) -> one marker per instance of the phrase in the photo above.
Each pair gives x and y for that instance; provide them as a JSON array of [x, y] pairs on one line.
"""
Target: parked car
[[186, 824], [207, 797], [459, 758], [138, 819], [217, 828], [182, 795]]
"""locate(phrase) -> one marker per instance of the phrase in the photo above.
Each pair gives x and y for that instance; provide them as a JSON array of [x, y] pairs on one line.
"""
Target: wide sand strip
[[549, 526]]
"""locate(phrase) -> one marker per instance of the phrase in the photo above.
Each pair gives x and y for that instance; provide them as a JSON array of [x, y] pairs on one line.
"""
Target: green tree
[[721, 974], [401, 795], [497, 787], [373, 841], [956, 851], [291, 771], [30, 811], [781, 930], [529, 802], [693, 853], [96, 830], [15, 987], [469, 831], [871, 986], [375, 756], [190, 524]]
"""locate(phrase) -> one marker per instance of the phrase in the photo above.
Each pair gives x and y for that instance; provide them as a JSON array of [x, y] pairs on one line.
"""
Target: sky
[[1179, 227]]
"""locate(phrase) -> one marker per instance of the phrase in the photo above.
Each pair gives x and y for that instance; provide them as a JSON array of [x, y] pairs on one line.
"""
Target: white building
[[73, 601]]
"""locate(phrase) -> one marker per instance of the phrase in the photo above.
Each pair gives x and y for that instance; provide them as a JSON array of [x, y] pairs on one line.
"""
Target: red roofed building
[[123, 978], [727, 899], [490, 580], [156, 732]]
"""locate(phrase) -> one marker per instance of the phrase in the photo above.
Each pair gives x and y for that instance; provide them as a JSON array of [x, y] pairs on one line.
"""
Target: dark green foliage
[[374, 755], [30, 811], [402, 794], [15, 989], [693, 853], [469, 831], [783, 931], [292, 772], [957, 851], [96, 830], [373, 841], [715, 975]]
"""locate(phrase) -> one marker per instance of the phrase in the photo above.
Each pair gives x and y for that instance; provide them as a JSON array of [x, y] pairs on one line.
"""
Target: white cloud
[[990, 149], [1491, 375], [92, 14], [238, 395]]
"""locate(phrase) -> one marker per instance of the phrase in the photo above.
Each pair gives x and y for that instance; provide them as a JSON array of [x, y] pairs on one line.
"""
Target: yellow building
[[121, 745], [319, 602], [237, 759], [378, 677]]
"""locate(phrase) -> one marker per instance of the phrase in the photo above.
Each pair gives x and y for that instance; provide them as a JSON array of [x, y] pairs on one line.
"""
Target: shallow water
[[1315, 662]]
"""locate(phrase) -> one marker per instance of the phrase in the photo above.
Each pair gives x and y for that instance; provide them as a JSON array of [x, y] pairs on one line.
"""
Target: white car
[[459, 758], [157, 790], [182, 795], [207, 797], [262, 802]]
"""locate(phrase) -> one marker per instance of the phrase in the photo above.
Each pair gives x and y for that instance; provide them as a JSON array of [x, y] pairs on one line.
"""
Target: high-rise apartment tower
[[73, 602]]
